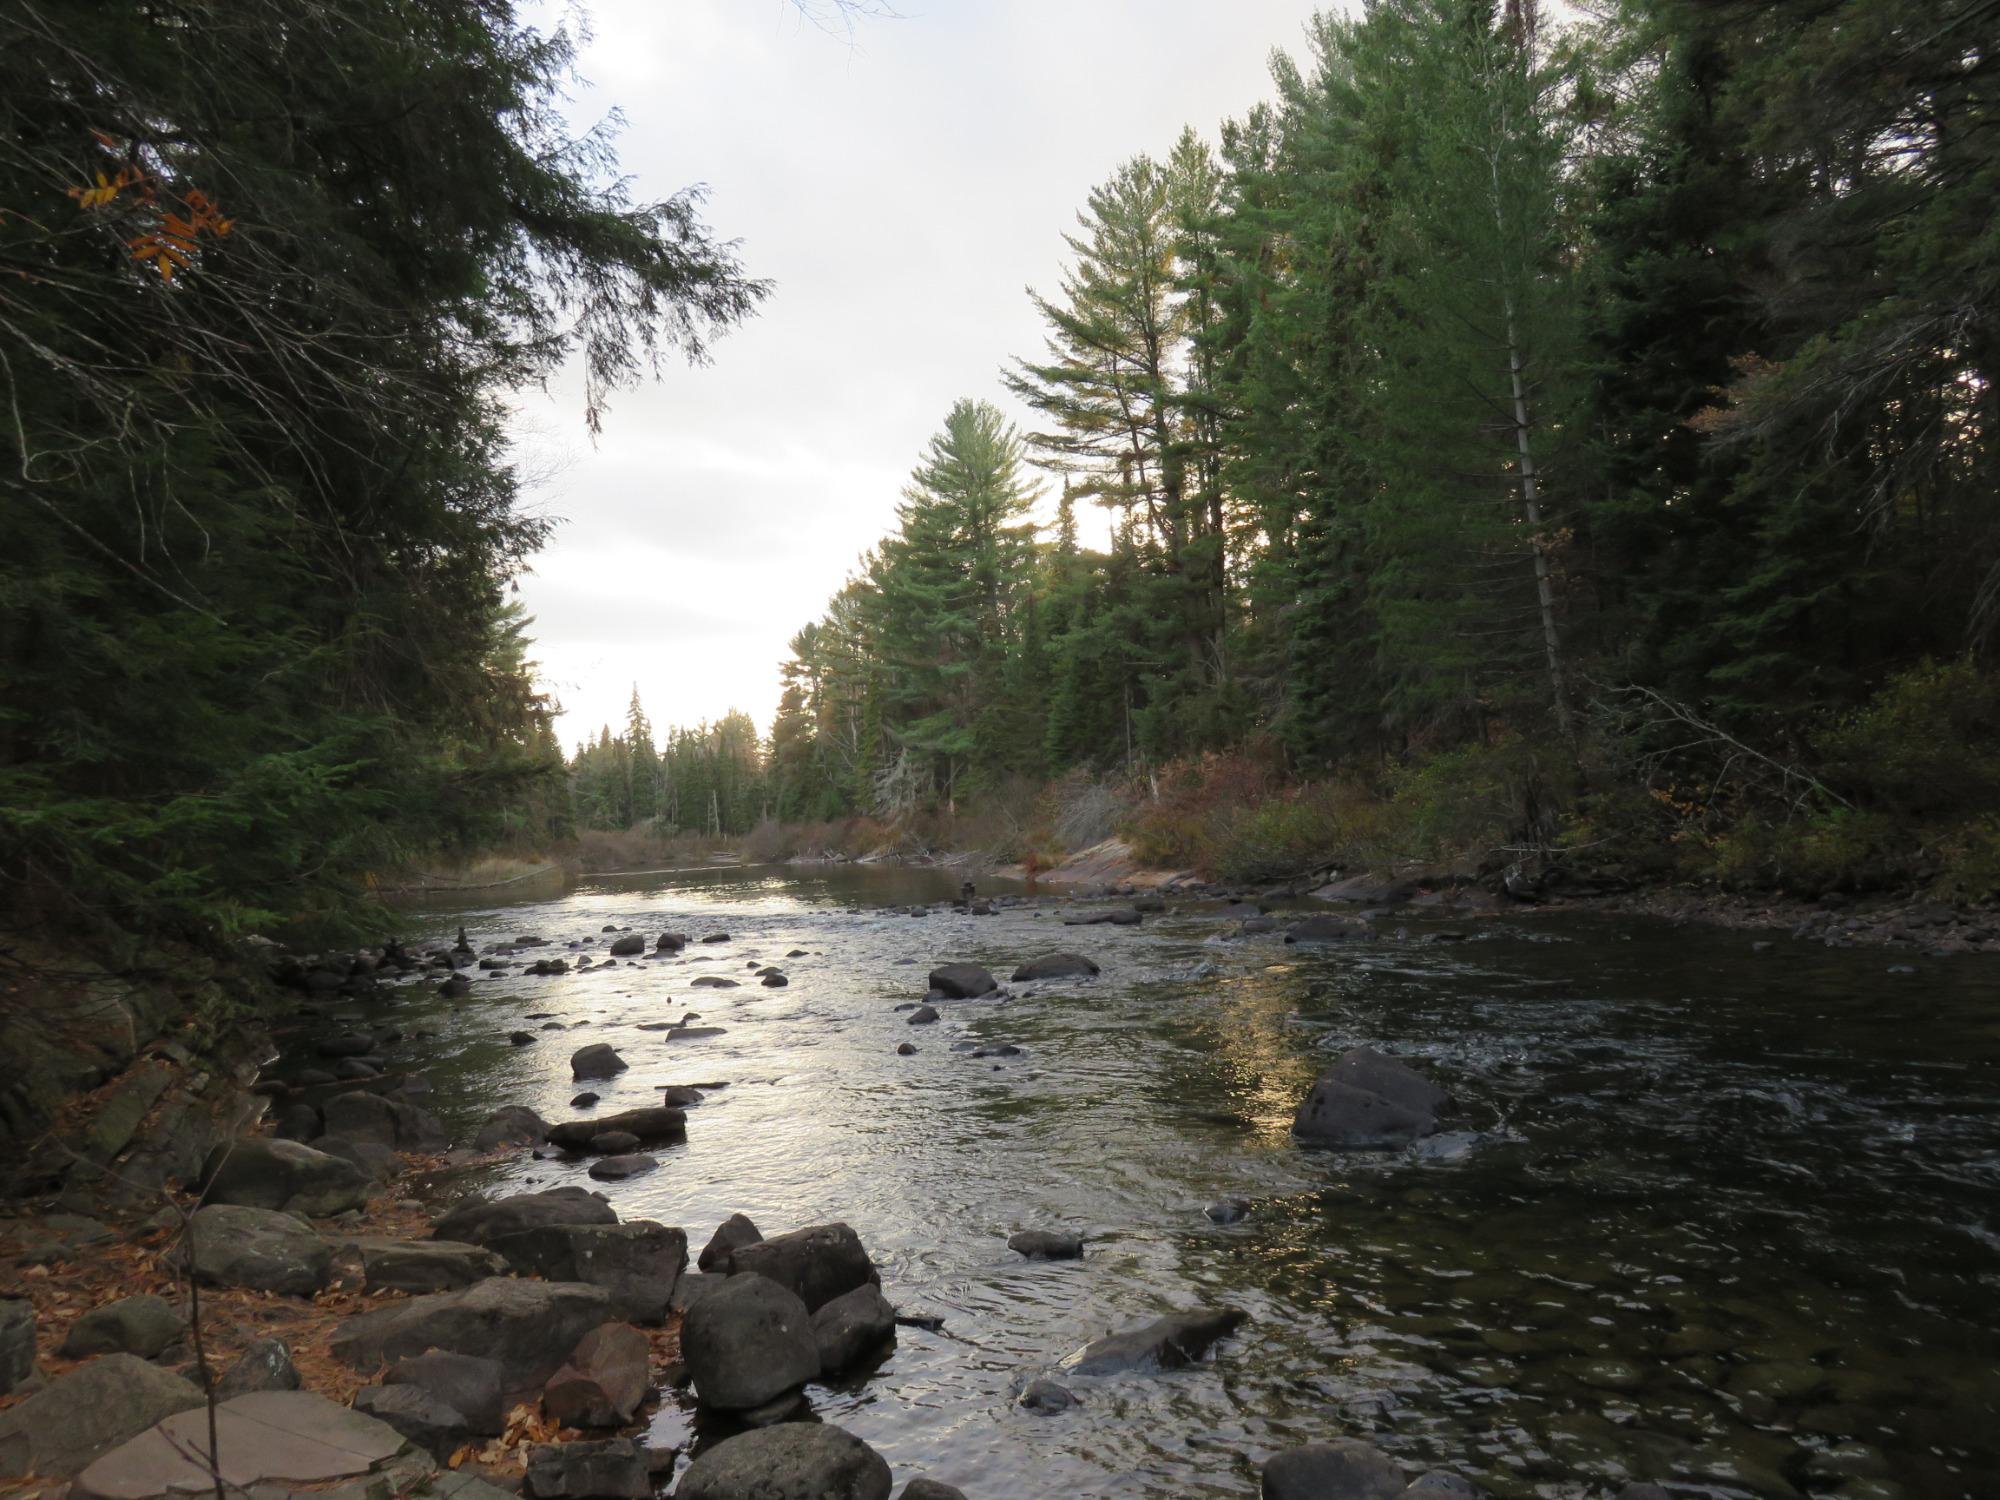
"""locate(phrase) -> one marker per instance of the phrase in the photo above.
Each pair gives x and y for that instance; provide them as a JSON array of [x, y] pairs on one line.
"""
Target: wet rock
[[1046, 1244], [613, 1469], [17, 1342], [523, 1326], [1117, 916], [654, 1125], [792, 1461], [467, 1384], [1228, 1211], [851, 1327], [1056, 966], [637, 1263], [522, 1038], [748, 1342], [260, 1173], [455, 988], [716, 937], [260, 1250], [351, 1045], [605, 1378], [1004, 1049], [961, 981], [679, 1095], [265, 1365], [1164, 1344], [775, 981], [817, 1263], [510, 1125], [598, 1060], [147, 1326], [1342, 1470], [930, 1489], [1330, 929], [419, 1266], [906, 1049], [613, 1142], [923, 1015], [1368, 1100], [691, 1033], [63, 1426], [583, 1100], [670, 942], [731, 1235], [628, 946], [694, 1286], [1048, 1398], [480, 1221], [714, 982], [619, 1168]]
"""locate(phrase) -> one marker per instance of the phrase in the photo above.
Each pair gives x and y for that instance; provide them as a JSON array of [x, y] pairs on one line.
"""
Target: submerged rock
[[1056, 966], [1046, 1397], [1330, 929], [1342, 1470], [1045, 1244], [1164, 1344]]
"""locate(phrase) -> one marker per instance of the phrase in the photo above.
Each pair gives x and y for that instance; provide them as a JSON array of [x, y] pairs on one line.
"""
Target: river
[[1730, 1222]]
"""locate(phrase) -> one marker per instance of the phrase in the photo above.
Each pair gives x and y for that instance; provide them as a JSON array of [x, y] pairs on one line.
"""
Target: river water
[[1730, 1222]]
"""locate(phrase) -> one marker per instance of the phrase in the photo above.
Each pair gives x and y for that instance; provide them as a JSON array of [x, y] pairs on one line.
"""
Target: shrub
[[1928, 743]]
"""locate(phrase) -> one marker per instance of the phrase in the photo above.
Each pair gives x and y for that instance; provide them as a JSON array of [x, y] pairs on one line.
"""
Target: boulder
[[747, 1342], [1047, 1398], [1045, 1244], [1164, 1344], [259, 1173], [792, 1461], [619, 1168], [655, 1125], [1056, 966], [603, 1381], [17, 1341], [466, 1383], [628, 946], [1117, 916], [419, 1266], [816, 1264], [63, 1426], [637, 1263], [436, 1426], [147, 1326], [930, 1489], [376, 1162], [260, 1250], [1330, 929], [265, 1365], [598, 1060], [1343, 1470], [614, 1469], [1368, 1100], [510, 1125], [851, 1327], [613, 1143], [731, 1235], [479, 1221], [923, 1015], [362, 1116], [525, 1327], [961, 981]]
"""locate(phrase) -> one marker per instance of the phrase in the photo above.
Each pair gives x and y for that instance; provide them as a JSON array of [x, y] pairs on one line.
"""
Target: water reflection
[[1729, 1220]]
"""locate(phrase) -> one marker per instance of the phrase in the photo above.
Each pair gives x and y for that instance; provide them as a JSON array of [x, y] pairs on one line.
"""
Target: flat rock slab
[[283, 1437]]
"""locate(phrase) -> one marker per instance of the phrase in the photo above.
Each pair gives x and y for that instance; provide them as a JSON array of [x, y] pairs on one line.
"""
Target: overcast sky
[[901, 193]]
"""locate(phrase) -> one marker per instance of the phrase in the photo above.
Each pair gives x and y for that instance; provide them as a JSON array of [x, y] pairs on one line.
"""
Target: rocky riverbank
[[357, 1318]]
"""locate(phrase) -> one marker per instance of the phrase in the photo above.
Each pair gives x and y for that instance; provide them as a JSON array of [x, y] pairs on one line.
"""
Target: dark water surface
[[1731, 1222]]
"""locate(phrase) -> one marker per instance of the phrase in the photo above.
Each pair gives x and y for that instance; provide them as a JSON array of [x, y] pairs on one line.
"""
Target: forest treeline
[[1517, 435]]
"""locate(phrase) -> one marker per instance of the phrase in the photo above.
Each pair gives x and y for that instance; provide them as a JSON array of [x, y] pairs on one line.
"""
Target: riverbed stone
[[620, 1168], [260, 1173], [604, 1379], [1047, 1397], [628, 946], [930, 1489], [961, 981], [817, 1263], [419, 1266], [1342, 1470], [260, 1250], [67, 1423], [510, 1125], [731, 1235], [598, 1060], [265, 1365], [466, 1383], [480, 1221], [923, 1015], [851, 1327], [793, 1461], [1046, 1244], [1164, 1344], [747, 1342], [1327, 928], [1368, 1100], [654, 1125], [1117, 916], [612, 1469], [526, 1327], [17, 1341], [1056, 966], [146, 1325], [638, 1263]]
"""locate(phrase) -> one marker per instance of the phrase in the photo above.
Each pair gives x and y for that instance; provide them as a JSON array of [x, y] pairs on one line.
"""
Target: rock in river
[[923, 1015], [792, 1461], [747, 1342], [816, 1264], [1164, 1344], [619, 1168], [961, 981], [637, 1263], [1045, 1244], [1369, 1100], [851, 1327], [628, 945], [1342, 1470], [510, 1125], [1056, 966], [598, 1060], [654, 1125], [731, 1235]]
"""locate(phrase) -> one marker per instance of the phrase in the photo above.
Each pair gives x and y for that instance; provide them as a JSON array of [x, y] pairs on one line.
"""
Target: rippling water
[[1730, 1221]]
